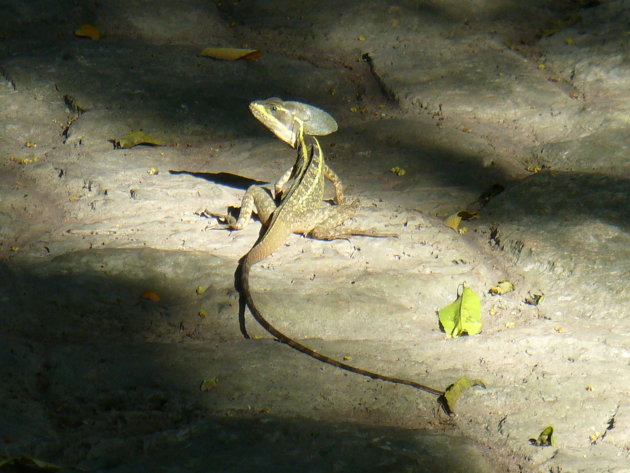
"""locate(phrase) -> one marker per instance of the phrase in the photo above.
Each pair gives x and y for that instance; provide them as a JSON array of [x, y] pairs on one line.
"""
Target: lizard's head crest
[[288, 119]]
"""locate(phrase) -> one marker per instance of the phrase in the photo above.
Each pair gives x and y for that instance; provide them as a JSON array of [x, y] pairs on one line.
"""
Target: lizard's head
[[287, 120]]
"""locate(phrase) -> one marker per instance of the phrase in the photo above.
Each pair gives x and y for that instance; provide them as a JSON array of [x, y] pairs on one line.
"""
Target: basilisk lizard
[[301, 208]]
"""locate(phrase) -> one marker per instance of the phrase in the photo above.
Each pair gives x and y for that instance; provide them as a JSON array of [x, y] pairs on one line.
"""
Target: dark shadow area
[[99, 375], [202, 98], [564, 198], [223, 179]]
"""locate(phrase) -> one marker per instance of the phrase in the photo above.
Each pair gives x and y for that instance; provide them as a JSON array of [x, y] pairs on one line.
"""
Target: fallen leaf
[[203, 314], [463, 315], [151, 296], [209, 384], [153, 171], [501, 288], [88, 31], [32, 464], [455, 390], [201, 289], [534, 298], [545, 439], [560, 24], [453, 222], [135, 138], [231, 54], [24, 161], [398, 171]]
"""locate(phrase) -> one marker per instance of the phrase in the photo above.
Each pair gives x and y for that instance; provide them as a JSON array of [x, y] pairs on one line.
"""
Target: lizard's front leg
[[279, 185], [255, 198]]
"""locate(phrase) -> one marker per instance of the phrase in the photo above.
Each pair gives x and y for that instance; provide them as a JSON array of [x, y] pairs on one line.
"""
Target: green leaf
[[455, 390], [463, 315], [545, 439], [134, 138]]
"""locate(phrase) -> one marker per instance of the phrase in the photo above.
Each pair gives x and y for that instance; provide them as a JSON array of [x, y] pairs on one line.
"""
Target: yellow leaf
[[153, 171], [201, 289], [455, 390], [209, 384], [502, 288], [463, 315], [398, 171], [24, 161], [88, 31], [453, 222], [135, 138], [231, 54], [361, 37], [203, 314]]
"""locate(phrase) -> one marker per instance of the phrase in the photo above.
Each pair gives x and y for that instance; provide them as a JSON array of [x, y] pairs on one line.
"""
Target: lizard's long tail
[[245, 267]]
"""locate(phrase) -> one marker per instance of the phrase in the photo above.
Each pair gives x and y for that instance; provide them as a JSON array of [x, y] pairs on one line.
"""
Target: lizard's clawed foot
[[226, 221]]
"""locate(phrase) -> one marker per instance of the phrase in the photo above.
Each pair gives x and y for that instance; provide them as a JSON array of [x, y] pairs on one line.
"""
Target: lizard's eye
[[274, 108]]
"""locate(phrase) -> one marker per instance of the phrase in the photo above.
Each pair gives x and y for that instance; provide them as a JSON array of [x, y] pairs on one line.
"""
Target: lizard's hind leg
[[330, 218], [331, 225]]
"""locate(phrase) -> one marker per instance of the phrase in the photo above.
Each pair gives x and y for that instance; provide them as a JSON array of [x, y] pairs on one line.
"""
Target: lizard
[[300, 210]]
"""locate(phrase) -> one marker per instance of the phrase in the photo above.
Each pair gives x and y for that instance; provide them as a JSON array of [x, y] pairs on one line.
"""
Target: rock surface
[[121, 346]]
